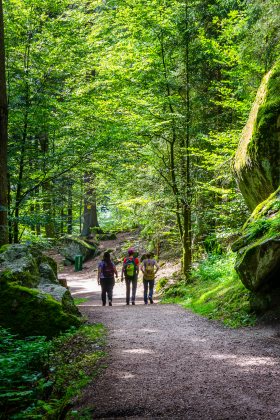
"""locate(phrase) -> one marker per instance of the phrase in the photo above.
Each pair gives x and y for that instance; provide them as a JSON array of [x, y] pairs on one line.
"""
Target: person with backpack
[[106, 277], [149, 268], [130, 270]]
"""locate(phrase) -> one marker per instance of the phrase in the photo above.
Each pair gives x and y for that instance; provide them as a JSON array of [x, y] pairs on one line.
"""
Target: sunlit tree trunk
[[90, 209], [4, 237]]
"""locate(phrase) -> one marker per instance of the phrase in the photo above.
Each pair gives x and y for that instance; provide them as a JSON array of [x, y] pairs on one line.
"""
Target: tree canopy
[[125, 114]]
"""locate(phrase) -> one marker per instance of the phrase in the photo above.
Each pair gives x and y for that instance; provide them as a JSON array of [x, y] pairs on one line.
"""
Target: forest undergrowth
[[215, 291], [40, 378]]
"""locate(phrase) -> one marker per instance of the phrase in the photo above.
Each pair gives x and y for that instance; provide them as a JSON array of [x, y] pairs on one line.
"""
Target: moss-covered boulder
[[72, 246], [256, 162], [29, 285], [18, 264], [258, 249], [30, 312], [106, 236]]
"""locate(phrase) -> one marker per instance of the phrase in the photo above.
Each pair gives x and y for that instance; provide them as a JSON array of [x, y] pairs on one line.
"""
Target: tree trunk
[[48, 210], [90, 209], [4, 236], [70, 209], [187, 242]]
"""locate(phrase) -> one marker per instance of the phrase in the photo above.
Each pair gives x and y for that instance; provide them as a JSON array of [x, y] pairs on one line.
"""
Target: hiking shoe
[[146, 303], [132, 303], [110, 303], [151, 300], [103, 304]]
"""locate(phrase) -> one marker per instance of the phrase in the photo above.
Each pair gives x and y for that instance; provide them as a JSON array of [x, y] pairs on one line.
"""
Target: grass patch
[[215, 292], [78, 301], [40, 378]]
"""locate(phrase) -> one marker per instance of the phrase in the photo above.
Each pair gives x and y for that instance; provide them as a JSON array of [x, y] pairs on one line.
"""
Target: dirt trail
[[167, 363]]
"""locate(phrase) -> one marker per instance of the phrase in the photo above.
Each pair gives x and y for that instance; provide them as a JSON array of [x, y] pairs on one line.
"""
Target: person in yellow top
[[149, 268]]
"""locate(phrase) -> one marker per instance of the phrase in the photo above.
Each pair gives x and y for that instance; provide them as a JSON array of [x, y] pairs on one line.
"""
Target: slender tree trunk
[[23, 144], [90, 209], [4, 236], [70, 209], [62, 217], [181, 194], [37, 210], [187, 238], [48, 210]]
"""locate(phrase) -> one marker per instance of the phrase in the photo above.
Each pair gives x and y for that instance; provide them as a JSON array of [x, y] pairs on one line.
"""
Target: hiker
[[149, 268], [130, 270], [106, 277]]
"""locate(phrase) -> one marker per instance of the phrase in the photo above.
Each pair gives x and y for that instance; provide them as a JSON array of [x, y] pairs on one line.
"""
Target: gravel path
[[167, 363]]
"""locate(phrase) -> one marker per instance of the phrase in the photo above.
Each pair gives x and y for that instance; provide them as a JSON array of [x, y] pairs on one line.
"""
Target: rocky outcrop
[[72, 246], [32, 301], [258, 249], [257, 171], [256, 163]]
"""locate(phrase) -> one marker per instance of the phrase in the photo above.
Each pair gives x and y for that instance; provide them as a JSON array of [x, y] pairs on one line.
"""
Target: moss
[[50, 261], [23, 278], [263, 224], [4, 248], [257, 159], [28, 312], [80, 241]]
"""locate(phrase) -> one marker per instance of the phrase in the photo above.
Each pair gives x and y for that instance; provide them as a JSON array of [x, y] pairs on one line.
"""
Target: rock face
[[76, 246], [258, 250], [256, 163], [257, 172], [32, 301]]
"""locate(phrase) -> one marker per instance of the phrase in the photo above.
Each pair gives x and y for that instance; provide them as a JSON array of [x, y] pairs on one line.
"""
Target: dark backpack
[[108, 269], [129, 267]]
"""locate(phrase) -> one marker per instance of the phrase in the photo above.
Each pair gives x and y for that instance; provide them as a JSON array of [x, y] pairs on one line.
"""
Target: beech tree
[[3, 138]]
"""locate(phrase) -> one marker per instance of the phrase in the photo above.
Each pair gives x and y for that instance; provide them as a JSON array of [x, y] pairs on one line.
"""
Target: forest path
[[167, 363]]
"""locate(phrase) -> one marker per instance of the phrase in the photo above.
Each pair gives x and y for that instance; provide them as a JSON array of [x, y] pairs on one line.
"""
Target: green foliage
[[40, 378], [215, 292], [23, 366], [161, 283]]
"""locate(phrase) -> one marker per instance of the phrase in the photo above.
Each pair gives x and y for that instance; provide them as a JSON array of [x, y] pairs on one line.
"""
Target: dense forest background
[[126, 114]]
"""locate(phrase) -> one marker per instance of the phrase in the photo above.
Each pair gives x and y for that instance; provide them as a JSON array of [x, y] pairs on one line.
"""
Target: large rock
[[18, 264], [32, 301], [76, 246], [256, 162], [258, 251]]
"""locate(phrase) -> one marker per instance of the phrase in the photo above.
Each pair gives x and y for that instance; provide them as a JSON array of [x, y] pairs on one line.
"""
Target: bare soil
[[167, 363]]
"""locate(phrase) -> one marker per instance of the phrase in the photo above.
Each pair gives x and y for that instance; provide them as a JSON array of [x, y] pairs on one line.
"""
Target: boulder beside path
[[32, 301]]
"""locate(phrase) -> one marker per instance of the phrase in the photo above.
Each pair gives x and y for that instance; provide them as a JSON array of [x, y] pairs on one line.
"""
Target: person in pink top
[[106, 277]]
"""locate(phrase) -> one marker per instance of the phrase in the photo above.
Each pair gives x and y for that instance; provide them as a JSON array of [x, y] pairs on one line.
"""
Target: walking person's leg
[[110, 291], [103, 291], [151, 290], [134, 287], [127, 283], [145, 284]]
